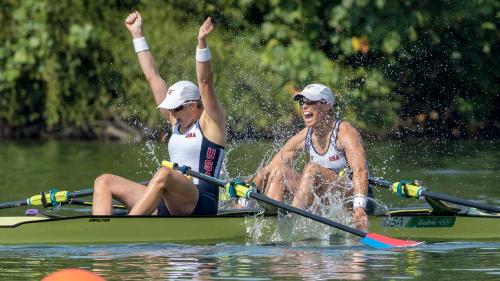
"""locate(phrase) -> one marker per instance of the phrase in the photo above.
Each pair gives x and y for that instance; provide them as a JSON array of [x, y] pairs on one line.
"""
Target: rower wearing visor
[[198, 139], [333, 146]]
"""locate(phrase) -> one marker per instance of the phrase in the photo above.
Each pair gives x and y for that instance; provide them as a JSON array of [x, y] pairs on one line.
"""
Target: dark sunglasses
[[182, 106], [310, 102]]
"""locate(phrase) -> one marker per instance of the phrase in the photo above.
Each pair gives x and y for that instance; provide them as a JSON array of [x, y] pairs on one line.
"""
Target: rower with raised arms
[[198, 140], [333, 146]]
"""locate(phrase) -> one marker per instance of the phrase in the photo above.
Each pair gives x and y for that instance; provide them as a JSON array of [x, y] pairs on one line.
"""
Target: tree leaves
[[71, 63]]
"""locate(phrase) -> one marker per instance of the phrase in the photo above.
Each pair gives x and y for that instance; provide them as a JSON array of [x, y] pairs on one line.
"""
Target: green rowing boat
[[423, 224], [229, 226], [439, 222]]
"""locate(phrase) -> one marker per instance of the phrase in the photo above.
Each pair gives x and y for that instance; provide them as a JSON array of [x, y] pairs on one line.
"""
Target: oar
[[371, 239], [55, 197], [45, 199], [402, 188]]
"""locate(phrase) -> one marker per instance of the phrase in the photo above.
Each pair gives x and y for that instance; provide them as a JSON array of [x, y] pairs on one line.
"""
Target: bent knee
[[282, 171], [161, 178], [103, 181], [311, 168]]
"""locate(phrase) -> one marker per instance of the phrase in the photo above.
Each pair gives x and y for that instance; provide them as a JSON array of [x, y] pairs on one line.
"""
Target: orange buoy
[[73, 274]]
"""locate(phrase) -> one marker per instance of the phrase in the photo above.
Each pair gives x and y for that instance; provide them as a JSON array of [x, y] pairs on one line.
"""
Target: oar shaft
[[235, 189], [440, 196], [459, 201], [204, 177], [81, 193], [19, 203], [265, 199], [380, 183]]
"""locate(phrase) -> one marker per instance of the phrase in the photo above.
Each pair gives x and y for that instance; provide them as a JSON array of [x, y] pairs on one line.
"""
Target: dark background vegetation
[[399, 68]]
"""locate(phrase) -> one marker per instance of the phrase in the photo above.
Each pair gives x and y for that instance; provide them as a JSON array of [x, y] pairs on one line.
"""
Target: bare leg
[[277, 181], [180, 194], [315, 180], [284, 180], [107, 187]]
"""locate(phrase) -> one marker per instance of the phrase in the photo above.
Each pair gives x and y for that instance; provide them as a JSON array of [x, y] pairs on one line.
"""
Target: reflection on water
[[306, 260]]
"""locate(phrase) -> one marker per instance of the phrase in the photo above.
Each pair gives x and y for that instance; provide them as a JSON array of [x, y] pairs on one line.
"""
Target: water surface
[[285, 261], [468, 169]]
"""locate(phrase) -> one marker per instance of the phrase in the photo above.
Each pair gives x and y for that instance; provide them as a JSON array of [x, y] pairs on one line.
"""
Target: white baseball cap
[[180, 93], [316, 92]]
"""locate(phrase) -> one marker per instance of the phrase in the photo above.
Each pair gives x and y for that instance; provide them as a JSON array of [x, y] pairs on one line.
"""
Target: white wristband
[[359, 201], [140, 44], [202, 55]]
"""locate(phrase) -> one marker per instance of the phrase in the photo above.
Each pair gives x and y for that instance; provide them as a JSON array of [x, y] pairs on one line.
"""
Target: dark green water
[[468, 169]]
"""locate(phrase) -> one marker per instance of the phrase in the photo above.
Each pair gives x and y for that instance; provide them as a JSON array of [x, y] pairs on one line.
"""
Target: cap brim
[[170, 103], [308, 96], [297, 97]]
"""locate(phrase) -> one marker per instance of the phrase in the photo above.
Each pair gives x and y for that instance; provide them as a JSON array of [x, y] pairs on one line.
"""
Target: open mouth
[[308, 115]]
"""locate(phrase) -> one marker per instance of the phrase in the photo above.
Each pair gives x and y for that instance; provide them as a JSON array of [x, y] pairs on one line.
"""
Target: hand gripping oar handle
[[371, 239], [402, 188], [45, 199]]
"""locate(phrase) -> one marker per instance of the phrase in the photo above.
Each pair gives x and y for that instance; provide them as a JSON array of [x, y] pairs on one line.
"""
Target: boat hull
[[121, 229], [438, 228], [213, 229]]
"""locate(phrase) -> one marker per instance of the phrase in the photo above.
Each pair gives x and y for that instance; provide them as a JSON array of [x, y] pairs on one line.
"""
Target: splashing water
[[331, 203], [151, 152]]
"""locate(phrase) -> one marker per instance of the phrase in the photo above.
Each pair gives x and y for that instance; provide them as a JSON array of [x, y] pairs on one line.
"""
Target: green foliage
[[54, 65], [71, 64]]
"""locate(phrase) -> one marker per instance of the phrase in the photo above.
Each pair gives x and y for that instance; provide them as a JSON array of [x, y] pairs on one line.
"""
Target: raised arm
[[350, 141], [212, 119], [158, 86]]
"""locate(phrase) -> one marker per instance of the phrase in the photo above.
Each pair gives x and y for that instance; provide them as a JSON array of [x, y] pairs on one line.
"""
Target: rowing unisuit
[[194, 150], [333, 158]]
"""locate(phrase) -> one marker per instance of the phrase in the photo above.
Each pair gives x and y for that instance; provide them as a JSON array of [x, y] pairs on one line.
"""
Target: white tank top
[[333, 158], [192, 149]]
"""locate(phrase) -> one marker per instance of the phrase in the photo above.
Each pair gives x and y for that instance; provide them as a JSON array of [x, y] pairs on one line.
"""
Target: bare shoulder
[[296, 142], [347, 129], [300, 136], [348, 135], [294, 145]]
